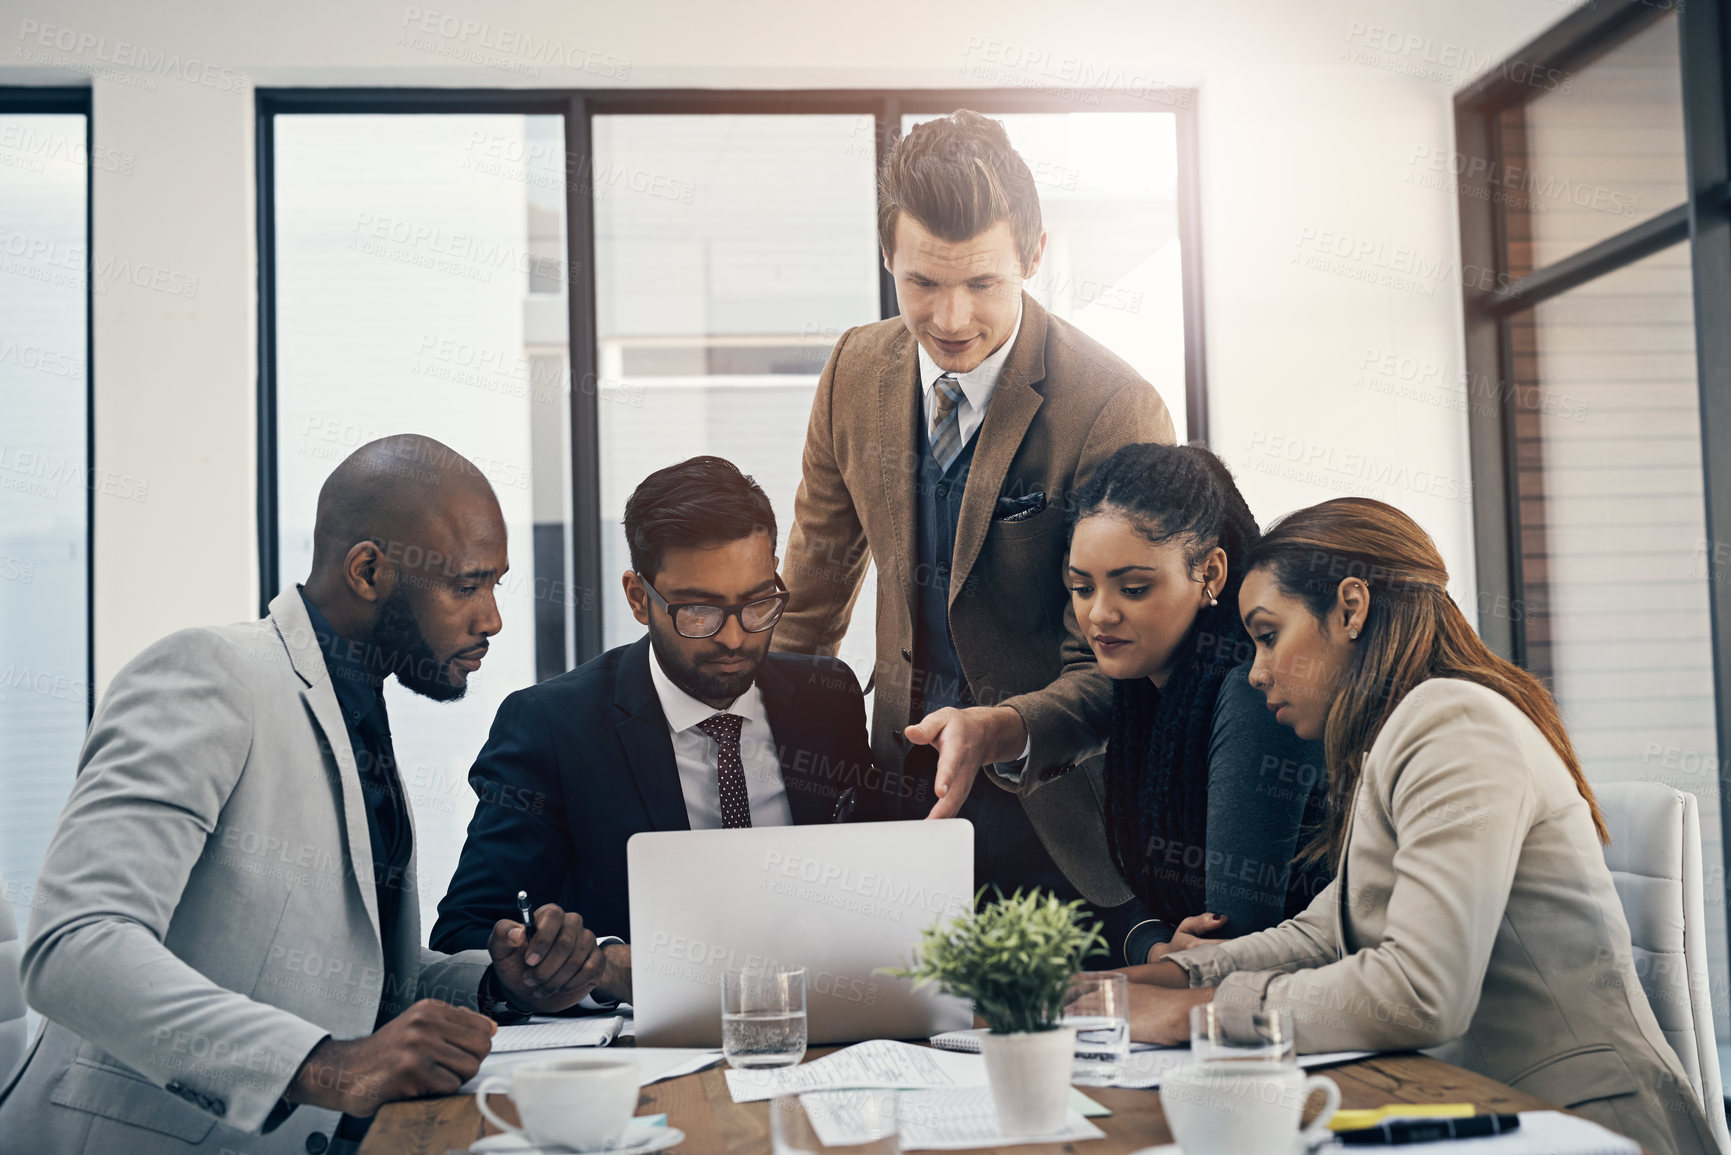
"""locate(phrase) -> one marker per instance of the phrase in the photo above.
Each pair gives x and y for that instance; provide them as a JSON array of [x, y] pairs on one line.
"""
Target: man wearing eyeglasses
[[696, 726]]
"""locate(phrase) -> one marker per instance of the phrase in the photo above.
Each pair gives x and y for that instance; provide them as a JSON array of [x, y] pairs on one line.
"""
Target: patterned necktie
[[946, 431], [729, 770]]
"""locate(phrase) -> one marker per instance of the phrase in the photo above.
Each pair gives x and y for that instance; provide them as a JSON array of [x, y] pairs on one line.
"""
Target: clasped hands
[[433, 1048], [967, 739], [1160, 992]]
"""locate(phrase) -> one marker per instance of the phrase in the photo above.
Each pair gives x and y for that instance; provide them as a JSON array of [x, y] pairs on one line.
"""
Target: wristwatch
[[494, 1001]]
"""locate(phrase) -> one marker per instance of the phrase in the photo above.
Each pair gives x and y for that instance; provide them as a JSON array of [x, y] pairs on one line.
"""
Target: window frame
[[1701, 221], [70, 100], [579, 107]]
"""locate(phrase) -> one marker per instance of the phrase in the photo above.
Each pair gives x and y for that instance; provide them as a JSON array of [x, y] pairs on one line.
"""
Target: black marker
[[528, 919], [1430, 1130]]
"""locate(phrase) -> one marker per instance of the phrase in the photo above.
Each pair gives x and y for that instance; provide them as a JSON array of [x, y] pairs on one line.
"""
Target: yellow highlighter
[[1371, 1116]]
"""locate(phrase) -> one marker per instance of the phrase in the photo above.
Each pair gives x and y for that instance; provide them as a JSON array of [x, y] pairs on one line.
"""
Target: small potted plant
[[1014, 958]]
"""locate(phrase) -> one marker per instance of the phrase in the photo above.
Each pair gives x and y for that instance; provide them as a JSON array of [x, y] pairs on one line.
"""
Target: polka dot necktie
[[729, 770], [946, 432]]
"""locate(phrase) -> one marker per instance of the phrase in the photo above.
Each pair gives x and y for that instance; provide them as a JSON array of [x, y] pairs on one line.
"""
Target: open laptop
[[838, 900]]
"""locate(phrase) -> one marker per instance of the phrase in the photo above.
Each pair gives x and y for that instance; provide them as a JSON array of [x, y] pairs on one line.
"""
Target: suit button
[[316, 1143], [907, 654], [943, 490]]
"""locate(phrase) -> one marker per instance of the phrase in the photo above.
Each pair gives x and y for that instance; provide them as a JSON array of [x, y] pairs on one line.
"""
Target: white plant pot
[[1030, 1078]]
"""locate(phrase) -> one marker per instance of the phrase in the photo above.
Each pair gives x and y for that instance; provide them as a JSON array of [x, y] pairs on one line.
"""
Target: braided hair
[[1157, 751]]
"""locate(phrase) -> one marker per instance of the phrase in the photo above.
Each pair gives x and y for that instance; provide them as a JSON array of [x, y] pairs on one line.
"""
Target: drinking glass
[[835, 1123], [1098, 1006], [1269, 1038], [763, 1018]]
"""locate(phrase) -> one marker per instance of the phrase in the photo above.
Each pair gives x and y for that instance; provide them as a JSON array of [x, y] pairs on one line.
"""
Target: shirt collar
[[979, 382], [683, 711], [358, 688]]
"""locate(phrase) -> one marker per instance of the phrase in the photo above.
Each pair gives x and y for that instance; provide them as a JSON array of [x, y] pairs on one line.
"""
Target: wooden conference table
[[714, 1124]]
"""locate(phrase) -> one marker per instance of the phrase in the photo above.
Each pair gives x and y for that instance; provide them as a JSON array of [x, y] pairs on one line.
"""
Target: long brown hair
[[1412, 631]]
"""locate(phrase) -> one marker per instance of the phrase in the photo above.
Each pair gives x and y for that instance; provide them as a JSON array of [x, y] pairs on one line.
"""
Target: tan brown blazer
[[1473, 917], [1062, 406]]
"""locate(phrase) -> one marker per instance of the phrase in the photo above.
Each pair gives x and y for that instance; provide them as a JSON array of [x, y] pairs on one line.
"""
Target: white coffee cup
[[584, 1103], [1244, 1108]]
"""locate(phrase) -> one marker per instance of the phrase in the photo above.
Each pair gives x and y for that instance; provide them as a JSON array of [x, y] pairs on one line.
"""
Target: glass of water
[[1260, 1036], [1098, 1007], [763, 1018], [835, 1123]]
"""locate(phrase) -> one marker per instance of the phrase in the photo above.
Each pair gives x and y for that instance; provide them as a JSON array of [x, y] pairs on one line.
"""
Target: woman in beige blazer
[[1472, 914]]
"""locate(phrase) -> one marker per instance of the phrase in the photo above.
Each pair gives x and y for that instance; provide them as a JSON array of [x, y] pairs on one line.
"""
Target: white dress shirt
[[695, 753], [977, 384]]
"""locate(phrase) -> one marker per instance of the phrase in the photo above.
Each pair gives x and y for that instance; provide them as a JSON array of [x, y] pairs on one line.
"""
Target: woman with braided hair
[[1207, 796]]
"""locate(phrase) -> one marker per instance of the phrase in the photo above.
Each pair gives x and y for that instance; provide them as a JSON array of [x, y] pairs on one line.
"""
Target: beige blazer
[[1062, 406], [207, 909], [1473, 917]]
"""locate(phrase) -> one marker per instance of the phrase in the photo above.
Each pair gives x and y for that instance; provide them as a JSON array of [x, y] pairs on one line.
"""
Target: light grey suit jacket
[[207, 910], [1473, 917], [11, 996]]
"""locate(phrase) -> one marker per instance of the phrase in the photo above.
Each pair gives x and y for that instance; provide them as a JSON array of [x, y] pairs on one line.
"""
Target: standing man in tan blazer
[[945, 443]]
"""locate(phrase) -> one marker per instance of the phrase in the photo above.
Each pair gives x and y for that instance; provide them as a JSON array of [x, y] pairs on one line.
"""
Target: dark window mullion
[[583, 343]]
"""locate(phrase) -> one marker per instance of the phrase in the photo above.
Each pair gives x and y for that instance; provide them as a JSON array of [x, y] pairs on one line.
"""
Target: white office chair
[[12, 1024], [1655, 860]]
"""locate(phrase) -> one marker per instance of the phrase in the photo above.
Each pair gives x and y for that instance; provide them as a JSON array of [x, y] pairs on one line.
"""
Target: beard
[[689, 676], [403, 650]]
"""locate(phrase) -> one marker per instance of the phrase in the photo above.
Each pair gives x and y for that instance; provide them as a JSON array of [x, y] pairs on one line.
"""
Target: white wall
[[1311, 114]]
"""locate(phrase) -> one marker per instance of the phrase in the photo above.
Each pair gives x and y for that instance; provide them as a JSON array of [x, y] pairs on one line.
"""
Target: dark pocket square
[[1019, 508]]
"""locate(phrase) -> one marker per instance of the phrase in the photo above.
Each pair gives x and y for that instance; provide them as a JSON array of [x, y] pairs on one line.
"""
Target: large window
[[1588, 377], [420, 287], [46, 483], [576, 289]]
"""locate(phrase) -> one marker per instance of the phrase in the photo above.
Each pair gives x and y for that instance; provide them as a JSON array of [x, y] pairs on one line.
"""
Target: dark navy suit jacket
[[578, 764]]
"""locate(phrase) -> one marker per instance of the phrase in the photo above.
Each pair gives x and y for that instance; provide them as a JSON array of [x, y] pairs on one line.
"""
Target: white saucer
[[639, 1139]]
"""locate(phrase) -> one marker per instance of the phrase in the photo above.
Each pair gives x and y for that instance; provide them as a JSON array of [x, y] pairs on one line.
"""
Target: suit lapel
[[899, 409], [289, 615], [1012, 408], [807, 807], [648, 747]]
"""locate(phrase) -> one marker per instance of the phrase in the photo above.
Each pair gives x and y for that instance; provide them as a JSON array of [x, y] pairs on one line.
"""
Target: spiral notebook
[[544, 1033]]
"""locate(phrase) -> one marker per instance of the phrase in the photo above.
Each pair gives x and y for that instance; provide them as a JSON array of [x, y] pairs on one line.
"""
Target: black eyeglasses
[[701, 620]]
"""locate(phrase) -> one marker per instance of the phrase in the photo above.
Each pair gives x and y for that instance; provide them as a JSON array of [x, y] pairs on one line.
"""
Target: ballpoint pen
[[528, 918]]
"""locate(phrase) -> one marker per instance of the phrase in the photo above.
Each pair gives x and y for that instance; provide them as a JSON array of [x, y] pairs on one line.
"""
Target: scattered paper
[[934, 1119], [545, 1033], [1144, 1069], [658, 1064], [879, 1063]]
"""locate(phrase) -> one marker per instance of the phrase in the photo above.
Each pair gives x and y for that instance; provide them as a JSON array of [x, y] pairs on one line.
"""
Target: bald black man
[[226, 942]]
